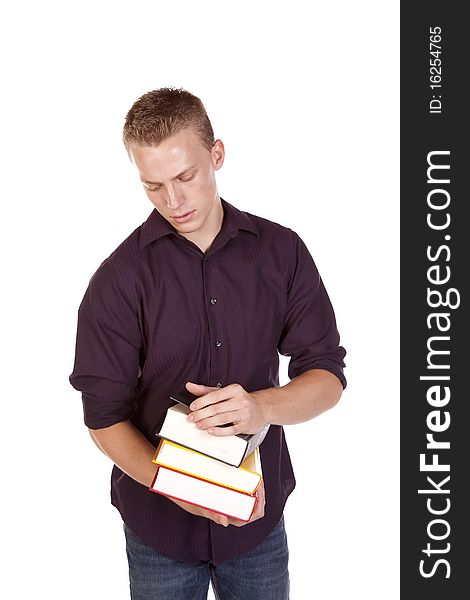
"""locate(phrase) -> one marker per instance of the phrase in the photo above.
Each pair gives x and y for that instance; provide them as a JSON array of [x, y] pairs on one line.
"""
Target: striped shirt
[[159, 312]]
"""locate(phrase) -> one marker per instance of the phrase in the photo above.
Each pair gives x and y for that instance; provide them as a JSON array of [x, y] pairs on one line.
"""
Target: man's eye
[[152, 188], [187, 178]]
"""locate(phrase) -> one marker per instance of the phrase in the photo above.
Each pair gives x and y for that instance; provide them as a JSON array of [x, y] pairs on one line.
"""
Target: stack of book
[[220, 474]]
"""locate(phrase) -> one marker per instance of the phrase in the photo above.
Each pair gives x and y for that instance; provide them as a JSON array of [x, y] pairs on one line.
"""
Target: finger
[[260, 501], [216, 517], [226, 418], [256, 514], [209, 398], [215, 395], [237, 523], [198, 389], [260, 494], [213, 409], [258, 511], [220, 519], [224, 431], [260, 498]]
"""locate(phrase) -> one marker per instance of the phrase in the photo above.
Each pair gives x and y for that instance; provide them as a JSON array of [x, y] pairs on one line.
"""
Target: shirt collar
[[234, 220]]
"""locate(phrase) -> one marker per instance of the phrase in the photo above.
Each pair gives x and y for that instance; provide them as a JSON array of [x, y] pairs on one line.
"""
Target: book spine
[[156, 491], [254, 441]]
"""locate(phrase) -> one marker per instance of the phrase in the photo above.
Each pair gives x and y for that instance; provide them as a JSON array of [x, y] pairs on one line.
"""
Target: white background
[[305, 97]]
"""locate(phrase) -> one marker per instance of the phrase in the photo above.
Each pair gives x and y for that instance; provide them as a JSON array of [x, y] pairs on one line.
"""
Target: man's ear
[[218, 154]]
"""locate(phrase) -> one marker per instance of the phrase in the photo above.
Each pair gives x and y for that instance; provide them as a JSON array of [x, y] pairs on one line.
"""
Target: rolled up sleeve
[[108, 342], [309, 335]]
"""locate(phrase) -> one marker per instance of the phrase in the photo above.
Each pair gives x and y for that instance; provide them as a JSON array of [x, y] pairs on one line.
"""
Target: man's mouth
[[184, 217]]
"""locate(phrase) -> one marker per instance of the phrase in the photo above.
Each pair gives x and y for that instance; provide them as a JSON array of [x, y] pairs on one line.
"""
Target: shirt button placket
[[215, 361]]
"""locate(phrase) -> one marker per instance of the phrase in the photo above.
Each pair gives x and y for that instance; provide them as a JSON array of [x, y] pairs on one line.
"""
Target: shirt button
[[218, 343], [213, 300], [219, 384]]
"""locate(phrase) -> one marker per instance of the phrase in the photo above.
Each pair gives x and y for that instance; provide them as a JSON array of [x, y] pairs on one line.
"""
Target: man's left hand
[[220, 406]]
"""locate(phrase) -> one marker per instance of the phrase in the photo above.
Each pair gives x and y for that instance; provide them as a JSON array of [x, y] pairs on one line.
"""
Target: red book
[[206, 494]]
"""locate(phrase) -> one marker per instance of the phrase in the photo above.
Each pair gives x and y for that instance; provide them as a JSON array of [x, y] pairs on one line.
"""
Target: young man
[[202, 295]]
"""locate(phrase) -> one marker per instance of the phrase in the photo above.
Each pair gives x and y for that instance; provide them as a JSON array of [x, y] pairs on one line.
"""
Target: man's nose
[[174, 198]]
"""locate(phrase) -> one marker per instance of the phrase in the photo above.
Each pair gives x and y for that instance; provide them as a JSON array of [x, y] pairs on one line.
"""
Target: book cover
[[245, 478]]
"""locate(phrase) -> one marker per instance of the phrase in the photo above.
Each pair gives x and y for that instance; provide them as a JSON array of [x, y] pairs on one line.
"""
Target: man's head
[[170, 139]]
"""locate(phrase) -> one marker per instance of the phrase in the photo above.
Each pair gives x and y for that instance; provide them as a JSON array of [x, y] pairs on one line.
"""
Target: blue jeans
[[260, 574]]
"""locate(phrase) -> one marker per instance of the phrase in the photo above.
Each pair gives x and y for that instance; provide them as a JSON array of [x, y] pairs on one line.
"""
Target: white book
[[232, 449], [203, 493]]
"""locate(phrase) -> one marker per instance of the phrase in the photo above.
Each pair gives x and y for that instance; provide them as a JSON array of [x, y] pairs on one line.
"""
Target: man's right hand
[[258, 511]]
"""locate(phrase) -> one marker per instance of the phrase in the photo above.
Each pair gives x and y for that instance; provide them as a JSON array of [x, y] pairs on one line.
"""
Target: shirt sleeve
[[108, 343], [309, 335]]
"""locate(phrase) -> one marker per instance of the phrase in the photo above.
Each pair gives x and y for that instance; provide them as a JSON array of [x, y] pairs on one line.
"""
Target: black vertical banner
[[435, 268]]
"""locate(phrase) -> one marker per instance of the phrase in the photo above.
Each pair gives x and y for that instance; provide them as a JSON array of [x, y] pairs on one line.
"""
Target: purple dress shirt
[[159, 312]]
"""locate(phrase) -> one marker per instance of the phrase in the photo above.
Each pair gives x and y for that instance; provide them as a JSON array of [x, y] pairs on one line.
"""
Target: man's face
[[179, 179]]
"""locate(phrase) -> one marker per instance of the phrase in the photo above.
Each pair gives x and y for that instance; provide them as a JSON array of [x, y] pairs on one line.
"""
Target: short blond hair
[[161, 113]]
